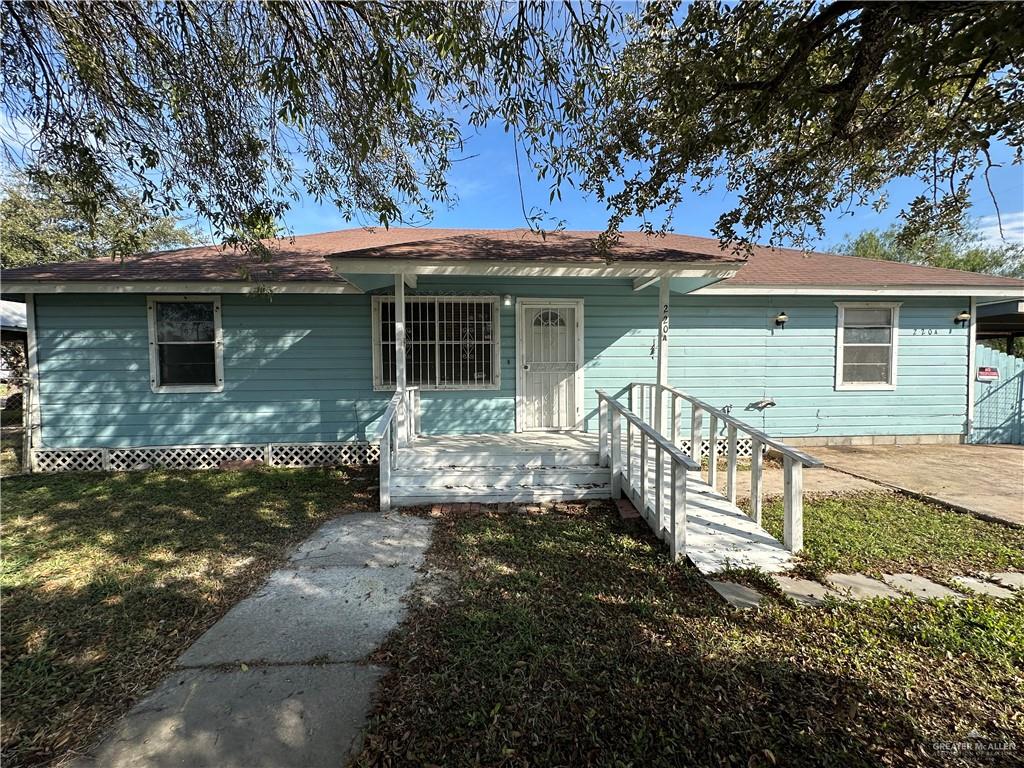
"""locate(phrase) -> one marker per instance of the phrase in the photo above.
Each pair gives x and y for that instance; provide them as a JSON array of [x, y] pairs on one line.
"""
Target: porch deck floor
[[718, 534]]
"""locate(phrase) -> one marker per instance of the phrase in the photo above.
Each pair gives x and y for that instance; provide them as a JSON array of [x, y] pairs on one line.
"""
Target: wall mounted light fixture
[[506, 300], [963, 318], [781, 319]]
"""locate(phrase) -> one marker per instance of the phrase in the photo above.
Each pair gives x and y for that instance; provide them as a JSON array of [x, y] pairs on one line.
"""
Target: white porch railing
[[668, 521], [393, 434], [644, 401]]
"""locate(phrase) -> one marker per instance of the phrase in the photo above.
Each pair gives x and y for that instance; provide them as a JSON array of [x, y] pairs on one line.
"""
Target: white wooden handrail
[[389, 439], [646, 396], [667, 521]]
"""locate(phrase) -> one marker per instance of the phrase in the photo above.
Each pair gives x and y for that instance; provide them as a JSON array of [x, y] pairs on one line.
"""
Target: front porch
[[567, 466]]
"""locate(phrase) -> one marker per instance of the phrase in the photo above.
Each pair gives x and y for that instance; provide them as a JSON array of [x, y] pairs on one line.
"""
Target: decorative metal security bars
[[202, 456], [450, 342]]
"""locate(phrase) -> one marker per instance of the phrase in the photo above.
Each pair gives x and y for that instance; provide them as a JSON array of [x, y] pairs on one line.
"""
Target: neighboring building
[[505, 332], [12, 330]]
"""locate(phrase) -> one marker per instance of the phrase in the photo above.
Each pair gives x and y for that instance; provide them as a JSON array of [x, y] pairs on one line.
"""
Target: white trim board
[[35, 422], [724, 289], [972, 352], [177, 286], [578, 377]]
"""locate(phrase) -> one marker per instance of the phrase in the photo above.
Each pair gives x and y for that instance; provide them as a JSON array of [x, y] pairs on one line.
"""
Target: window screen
[[867, 346], [450, 343], [186, 343]]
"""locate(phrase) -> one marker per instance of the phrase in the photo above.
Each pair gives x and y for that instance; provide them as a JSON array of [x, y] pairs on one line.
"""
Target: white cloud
[[1012, 232]]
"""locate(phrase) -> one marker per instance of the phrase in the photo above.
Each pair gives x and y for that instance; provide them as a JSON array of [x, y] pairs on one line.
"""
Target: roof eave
[[332, 286], [724, 289]]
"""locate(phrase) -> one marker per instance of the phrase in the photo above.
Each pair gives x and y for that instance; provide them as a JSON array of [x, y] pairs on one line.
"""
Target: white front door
[[549, 341]]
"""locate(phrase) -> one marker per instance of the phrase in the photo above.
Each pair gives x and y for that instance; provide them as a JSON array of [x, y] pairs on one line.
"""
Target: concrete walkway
[[986, 480], [280, 681]]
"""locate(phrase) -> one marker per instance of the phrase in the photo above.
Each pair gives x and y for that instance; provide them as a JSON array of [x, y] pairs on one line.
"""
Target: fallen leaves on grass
[[569, 638]]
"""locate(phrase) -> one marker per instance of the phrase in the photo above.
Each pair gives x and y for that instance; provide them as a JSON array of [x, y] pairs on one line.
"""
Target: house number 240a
[[930, 331]]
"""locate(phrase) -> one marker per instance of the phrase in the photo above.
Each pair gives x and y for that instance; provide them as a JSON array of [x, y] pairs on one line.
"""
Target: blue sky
[[488, 191]]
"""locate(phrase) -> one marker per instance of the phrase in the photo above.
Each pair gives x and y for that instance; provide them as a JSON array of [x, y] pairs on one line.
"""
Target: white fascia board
[[174, 286], [513, 268], [720, 289]]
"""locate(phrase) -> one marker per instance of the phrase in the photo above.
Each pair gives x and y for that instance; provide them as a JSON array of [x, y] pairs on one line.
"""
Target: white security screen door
[[549, 364]]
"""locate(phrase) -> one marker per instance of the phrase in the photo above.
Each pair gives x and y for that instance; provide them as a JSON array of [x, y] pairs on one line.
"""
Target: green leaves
[[965, 249], [52, 219], [798, 109]]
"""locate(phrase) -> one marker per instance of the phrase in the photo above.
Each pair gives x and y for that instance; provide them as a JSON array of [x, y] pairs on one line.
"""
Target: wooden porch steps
[[492, 469]]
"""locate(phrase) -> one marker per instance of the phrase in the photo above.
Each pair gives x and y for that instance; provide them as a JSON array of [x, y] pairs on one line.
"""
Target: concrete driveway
[[987, 480]]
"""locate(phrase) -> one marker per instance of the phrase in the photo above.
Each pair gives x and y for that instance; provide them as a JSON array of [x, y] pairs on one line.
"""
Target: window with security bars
[[450, 342], [866, 346]]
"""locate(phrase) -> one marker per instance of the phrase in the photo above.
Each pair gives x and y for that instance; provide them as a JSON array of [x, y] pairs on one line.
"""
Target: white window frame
[[867, 386], [154, 350], [494, 301]]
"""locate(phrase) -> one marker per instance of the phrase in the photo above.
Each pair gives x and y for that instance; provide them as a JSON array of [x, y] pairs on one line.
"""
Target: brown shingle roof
[[784, 267], [304, 258]]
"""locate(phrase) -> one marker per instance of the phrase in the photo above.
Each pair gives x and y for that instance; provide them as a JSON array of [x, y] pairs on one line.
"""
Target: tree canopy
[[234, 108], [963, 249], [802, 108], [42, 222], [798, 108]]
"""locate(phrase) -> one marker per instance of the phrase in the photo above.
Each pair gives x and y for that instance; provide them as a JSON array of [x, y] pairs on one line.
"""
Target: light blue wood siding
[[729, 352], [298, 368]]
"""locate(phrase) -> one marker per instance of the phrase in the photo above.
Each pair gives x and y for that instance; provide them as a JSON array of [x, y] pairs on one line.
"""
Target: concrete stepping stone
[[983, 587], [1011, 580], [804, 591], [860, 587], [919, 586], [736, 595]]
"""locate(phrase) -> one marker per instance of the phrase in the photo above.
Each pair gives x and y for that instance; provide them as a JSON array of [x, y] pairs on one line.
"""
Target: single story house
[[193, 356]]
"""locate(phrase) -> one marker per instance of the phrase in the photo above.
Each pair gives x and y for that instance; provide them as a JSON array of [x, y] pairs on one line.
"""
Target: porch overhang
[[365, 272]]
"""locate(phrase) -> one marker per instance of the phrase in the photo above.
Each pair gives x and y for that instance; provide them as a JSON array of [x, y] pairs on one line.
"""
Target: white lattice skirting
[[203, 456], [744, 447]]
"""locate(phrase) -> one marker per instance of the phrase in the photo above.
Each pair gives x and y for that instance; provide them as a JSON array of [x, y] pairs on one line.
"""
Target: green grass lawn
[[107, 578], [10, 442], [569, 638], [877, 533]]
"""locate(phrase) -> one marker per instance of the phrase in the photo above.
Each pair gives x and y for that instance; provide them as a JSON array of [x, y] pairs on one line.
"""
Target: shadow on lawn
[[108, 578], [570, 639]]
